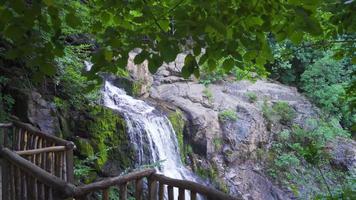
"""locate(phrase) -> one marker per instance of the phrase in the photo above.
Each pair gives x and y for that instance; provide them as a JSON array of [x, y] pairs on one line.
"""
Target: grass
[[228, 115]]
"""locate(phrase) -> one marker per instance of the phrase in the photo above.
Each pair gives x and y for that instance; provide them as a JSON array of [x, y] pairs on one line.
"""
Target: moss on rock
[[177, 120], [84, 147], [106, 137]]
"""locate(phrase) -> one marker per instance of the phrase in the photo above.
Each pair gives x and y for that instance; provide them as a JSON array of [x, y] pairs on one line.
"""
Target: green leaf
[[72, 20], [154, 63], [228, 64], [49, 2], [135, 13], [254, 21], [211, 64], [168, 50], [141, 57], [296, 37], [190, 66], [47, 68], [164, 24], [353, 60], [108, 54], [197, 50]]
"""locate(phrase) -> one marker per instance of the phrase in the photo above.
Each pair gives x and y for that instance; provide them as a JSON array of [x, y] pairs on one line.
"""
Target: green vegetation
[[280, 112], [36, 33], [218, 143], [300, 155], [177, 121], [322, 73], [252, 97], [211, 174], [227, 115], [308, 44], [208, 94]]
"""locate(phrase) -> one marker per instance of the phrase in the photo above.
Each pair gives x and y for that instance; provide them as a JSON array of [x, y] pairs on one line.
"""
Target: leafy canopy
[[35, 31]]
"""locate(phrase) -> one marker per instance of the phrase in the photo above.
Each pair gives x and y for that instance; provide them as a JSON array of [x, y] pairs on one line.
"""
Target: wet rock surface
[[239, 138]]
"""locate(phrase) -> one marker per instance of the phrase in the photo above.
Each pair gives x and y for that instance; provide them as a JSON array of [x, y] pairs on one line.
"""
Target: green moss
[[208, 94], [218, 142], [227, 115], [107, 138], [177, 121], [211, 174], [84, 147], [280, 112], [252, 97], [136, 88]]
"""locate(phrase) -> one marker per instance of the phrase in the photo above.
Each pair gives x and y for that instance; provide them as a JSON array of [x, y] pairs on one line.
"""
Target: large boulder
[[227, 145], [32, 108], [140, 74]]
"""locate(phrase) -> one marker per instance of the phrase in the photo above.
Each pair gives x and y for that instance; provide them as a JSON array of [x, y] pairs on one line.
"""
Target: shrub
[[279, 112], [252, 97], [227, 115], [218, 142], [208, 94], [285, 111]]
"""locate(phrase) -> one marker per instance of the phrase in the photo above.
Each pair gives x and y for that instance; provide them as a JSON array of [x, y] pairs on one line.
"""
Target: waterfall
[[150, 132]]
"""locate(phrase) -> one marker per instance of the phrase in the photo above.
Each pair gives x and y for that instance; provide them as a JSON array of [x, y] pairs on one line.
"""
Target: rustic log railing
[[36, 165]]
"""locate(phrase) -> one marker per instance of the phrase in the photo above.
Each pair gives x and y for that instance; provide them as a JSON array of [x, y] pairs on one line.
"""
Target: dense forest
[[267, 86]]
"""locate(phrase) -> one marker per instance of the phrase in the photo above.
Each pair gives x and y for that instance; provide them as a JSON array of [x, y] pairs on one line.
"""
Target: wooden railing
[[40, 166], [52, 154]]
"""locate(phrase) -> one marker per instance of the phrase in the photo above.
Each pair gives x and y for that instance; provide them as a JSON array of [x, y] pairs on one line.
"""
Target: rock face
[[228, 145], [32, 108], [344, 154], [140, 74]]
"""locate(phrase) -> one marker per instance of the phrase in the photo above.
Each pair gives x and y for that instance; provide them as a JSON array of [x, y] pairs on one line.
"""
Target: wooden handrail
[[5, 125], [60, 180], [41, 150], [192, 186], [100, 185], [64, 189], [34, 131]]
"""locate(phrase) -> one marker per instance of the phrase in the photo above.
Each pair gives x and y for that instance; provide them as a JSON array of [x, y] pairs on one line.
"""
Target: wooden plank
[[138, 189], [5, 179], [19, 139], [106, 194], [69, 165], [161, 191], [193, 195], [123, 191], [34, 131], [82, 190], [17, 183], [13, 186], [181, 195], [152, 188], [31, 187], [5, 125], [170, 193], [189, 185], [65, 188], [14, 139]]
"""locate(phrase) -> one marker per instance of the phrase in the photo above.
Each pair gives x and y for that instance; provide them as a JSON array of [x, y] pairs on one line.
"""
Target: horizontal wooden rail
[[41, 150], [34, 131], [64, 189], [5, 125], [106, 183], [192, 186]]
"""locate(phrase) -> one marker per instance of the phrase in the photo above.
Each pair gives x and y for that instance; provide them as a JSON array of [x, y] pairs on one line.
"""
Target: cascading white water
[[150, 132]]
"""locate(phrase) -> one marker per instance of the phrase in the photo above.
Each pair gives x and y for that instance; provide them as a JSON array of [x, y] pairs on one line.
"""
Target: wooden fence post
[[69, 162], [152, 188]]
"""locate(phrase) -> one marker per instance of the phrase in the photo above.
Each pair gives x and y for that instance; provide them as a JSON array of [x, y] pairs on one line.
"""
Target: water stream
[[150, 132]]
